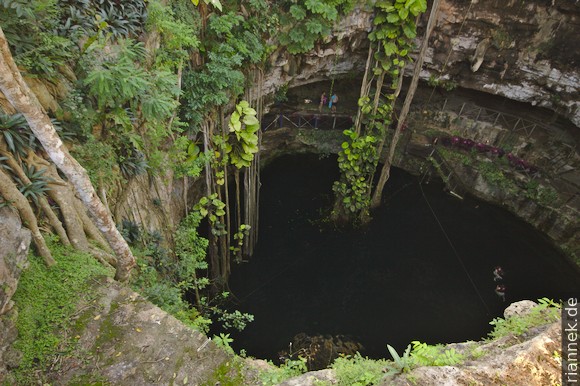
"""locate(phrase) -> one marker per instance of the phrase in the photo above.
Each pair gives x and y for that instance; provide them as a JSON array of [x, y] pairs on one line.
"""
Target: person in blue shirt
[[333, 102]]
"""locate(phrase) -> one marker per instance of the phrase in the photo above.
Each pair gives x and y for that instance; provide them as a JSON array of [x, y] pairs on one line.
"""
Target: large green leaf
[[249, 137], [393, 18], [250, 120], [250, 148], [390, 48]]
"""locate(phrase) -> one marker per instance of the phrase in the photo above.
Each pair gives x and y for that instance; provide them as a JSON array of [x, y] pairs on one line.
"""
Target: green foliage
[[446, 84], [547, 311], [428, 355], [29, 28], [224, 341], [120, 81], [306, 22], [188, 159], [235, 319], [357, 162], [190, 249], [281, 94], [177, 37], [212, 207], [100, 161], [215, 3], [37, 186], [456, 156], [244, 124], [546, 196], [395, 29], [46, 300], [401, 364], [501, 39], [359, 371], [493, 174], [131, 102], [17, 134], [393, 34], [164, 280], [236, 35], [212, 85], [239, 237], [105, 17], [278, 374]]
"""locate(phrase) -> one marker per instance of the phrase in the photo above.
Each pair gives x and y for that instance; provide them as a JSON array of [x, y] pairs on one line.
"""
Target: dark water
[[397, 280]]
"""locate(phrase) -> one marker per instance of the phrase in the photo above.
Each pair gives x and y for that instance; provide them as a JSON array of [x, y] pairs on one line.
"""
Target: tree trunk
[[21, 98], [363, 90], [386, 170]]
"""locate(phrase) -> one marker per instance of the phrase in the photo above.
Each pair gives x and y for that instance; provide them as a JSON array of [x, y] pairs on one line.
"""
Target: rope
[[451, 49], [333, 75], [455, 251]]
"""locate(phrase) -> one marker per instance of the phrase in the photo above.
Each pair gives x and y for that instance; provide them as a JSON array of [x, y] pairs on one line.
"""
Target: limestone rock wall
[[525, 51], [14, 244]]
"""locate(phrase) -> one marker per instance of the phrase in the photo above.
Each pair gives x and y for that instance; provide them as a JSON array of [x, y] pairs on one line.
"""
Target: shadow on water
[[396, 281]]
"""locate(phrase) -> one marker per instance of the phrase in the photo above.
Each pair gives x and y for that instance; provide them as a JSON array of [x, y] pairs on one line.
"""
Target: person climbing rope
[[500, 290], [498, 273]]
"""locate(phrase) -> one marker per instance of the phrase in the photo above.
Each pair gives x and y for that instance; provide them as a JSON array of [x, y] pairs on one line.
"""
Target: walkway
[[307, 120]]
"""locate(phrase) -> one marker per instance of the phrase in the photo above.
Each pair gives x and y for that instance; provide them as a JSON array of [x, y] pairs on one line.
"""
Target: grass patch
[[278, 374], [359, 371], [46, 300]]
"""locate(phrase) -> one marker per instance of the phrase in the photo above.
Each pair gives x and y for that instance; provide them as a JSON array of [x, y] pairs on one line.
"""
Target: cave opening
[[412, 274]]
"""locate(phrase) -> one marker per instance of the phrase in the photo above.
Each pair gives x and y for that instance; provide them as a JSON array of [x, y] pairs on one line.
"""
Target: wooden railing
[[307, 120]]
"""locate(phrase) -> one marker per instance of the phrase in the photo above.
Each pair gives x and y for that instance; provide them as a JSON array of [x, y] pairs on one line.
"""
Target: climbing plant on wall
[[356, 161], [391, 43]]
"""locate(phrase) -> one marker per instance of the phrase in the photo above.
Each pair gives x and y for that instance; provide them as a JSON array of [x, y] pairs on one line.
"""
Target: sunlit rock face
[[530, 55], [525, 51]]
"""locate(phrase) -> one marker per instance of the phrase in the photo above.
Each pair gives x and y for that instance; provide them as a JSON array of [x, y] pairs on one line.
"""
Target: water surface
[[398, 280]]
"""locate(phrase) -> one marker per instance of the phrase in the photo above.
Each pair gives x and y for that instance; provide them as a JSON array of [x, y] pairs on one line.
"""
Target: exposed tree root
[[42, 201], [11, 194]]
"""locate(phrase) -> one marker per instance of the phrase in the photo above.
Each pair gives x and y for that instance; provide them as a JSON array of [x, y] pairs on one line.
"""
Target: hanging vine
[[391, 42]]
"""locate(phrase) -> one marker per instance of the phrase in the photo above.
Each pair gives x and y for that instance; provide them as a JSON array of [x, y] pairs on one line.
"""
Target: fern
[[427, 355]]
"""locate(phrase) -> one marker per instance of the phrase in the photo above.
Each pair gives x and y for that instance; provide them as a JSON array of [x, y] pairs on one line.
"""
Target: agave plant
[[117, 18], [18, 136], [133, 163], [37, 186]]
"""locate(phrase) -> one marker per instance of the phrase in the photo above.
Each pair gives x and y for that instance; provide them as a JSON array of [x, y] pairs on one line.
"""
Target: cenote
[[400, 279]]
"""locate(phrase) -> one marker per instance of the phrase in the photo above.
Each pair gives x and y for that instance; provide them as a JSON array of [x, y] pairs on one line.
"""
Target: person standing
[[333, 102], [322, 101]]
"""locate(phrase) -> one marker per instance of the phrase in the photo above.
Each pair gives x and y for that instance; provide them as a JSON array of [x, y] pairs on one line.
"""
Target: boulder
[[520, 308]]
